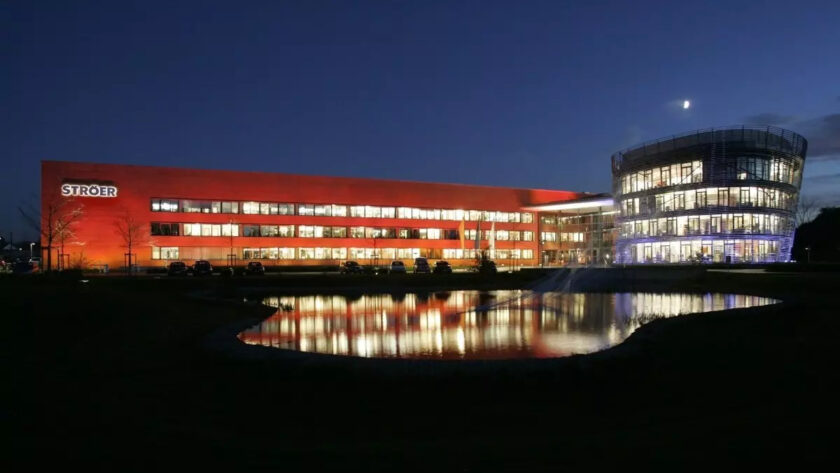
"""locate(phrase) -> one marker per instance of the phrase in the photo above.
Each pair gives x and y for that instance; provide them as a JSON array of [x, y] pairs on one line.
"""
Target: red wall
[[95, 235]]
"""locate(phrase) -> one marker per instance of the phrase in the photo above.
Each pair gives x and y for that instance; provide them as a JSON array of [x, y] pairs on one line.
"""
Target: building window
[[251, 230], [251, 208], [389, 212], [230, 229], [357, 211], [335, 232], [310, 231], [165, 229], [339, 210], [269, 231], [165, 205], [165, 252]]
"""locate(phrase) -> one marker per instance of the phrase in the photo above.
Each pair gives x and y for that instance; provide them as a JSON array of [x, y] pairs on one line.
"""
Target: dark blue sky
[[526, 94]]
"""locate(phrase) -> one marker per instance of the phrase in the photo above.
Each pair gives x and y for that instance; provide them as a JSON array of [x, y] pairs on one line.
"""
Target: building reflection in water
[[471, 324]]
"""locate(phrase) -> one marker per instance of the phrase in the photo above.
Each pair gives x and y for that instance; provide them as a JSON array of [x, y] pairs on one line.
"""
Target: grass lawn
[[111, 375]]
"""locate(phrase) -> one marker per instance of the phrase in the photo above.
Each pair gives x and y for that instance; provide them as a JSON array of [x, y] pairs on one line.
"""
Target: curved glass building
[[716, 195]]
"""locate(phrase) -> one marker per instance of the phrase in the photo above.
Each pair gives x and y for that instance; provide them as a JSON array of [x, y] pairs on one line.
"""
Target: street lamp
[[30, 250], [808, 253]]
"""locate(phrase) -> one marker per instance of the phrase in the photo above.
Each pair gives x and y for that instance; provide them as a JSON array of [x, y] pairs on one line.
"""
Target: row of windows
[[662, 176], [501, 235], [572, 236], [713, 251], [279, 253], [457, 253], [562, 236], [767, 169], [604, 219], [333, 210], [318, 231], [709, 197], [776, 169], [706, 225]]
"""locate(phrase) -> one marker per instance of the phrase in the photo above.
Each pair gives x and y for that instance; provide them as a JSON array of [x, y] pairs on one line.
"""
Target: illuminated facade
[[715, 195], [581, 231], [233, 217]]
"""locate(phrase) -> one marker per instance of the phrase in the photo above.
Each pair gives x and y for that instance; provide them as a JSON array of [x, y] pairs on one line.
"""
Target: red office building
[[105, 214]]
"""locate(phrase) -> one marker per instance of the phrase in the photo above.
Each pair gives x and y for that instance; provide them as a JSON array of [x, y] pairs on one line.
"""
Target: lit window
[[339, 210], [286, 231], [306, 231], [251, 208]]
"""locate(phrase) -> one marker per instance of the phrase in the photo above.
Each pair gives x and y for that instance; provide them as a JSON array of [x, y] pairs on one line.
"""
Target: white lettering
[[88, 190]]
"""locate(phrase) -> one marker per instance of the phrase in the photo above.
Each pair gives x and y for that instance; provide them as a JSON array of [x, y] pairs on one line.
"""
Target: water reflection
[[471, 324]]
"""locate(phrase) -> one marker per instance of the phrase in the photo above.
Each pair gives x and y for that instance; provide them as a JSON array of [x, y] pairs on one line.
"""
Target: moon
[[686, 104]]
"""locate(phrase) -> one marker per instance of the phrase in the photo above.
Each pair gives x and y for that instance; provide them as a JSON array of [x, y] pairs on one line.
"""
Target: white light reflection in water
[[472, 324]]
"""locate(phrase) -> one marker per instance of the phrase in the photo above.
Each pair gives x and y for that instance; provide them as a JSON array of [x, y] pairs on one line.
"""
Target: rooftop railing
[[758, 137]]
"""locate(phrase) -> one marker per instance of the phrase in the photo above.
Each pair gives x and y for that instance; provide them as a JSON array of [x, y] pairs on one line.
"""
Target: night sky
[[522, 94]]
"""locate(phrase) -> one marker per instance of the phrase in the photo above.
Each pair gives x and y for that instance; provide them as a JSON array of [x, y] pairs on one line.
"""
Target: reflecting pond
[[472, 324]]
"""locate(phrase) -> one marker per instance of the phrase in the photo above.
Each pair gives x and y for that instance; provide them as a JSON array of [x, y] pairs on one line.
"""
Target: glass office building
[[715, 195]]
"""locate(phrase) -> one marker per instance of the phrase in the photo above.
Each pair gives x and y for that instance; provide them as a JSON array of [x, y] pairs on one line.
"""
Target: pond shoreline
[[225, 340]]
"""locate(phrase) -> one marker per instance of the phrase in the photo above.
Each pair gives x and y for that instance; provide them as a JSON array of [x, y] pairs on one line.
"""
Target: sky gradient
[[521, 94]]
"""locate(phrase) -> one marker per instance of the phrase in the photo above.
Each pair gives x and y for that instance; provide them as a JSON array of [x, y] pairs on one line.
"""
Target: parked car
[[176, 268], [397, 267], [421, 265], [202, 268], [23, 267], [442, 267], [350, 267], [254, 268]]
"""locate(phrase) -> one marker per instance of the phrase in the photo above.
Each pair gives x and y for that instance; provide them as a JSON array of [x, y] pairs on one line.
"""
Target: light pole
[[30, 250], [808, 253], [231, 255]]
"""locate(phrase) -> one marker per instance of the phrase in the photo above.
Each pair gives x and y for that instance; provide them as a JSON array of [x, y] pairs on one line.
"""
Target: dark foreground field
[[110, 375]]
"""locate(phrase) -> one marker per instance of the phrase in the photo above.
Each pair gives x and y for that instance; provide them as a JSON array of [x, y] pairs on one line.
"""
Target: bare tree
[[133, 234], [807, 210], [55, 223]]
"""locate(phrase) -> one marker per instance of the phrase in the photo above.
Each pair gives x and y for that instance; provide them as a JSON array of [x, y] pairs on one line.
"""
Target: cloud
[[769, 118], [824, 178], [822, 133]]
